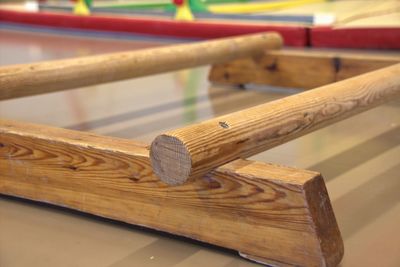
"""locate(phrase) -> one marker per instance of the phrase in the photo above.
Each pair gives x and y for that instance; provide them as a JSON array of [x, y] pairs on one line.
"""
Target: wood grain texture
[[189, 152], [256, 208], [38, 78], [299, 69]]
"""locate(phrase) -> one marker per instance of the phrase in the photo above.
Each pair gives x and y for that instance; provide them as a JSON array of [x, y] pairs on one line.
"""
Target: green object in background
[[89, 3], [196, 5], [141, 6], [223, 1], [191, 86]]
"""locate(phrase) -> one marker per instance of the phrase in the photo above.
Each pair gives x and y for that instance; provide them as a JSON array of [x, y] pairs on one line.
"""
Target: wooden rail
[[192, 151], [52, 76], [304, 69], [274, 214]]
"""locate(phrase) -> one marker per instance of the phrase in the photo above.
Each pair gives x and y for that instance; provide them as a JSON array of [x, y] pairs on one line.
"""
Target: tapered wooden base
[[304, 69], [274, 213]]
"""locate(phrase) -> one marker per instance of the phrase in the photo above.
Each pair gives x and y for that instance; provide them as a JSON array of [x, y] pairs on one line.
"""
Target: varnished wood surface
[[360, 165], [260, 209], [45, 77], [187, 153], [300, 69]]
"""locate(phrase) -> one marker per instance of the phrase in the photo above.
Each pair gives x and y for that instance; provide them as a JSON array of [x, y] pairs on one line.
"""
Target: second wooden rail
[[192, 151], [52, 76]]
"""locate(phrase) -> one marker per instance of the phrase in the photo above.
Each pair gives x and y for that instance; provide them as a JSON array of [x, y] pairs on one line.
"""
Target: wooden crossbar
[[52, 76], [275, 214], [192, 151], [304, 69]]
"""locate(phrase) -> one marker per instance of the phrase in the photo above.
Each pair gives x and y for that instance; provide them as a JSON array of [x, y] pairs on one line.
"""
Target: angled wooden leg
[[321, 221], [278, 215]]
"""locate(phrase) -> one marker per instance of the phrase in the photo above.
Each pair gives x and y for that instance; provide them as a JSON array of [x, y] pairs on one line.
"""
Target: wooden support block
[[298, 69], [44, 77], [190, 152], [275, 214]]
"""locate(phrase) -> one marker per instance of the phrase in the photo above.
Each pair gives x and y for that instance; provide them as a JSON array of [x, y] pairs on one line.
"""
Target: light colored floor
[[359, 158], [353, 13]]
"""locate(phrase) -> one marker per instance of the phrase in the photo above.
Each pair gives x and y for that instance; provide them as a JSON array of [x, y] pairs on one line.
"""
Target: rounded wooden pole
[[192, 151], [51, 76]]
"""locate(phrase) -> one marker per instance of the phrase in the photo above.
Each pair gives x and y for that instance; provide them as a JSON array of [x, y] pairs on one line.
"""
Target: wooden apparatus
[[272, 214], [113, 178], [52, 76], [192, 151]]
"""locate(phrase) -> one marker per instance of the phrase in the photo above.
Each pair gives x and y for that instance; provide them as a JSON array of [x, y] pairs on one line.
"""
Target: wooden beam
[[305, 69], [192, 151], [275, 214], [52, 76]]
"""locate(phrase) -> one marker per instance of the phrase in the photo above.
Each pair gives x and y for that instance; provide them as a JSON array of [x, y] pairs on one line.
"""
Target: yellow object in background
[[81, 8], [183, 12], [258, 6]]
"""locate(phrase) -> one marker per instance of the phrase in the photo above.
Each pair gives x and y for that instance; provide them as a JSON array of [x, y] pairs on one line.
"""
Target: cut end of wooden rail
[[170, 159]]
